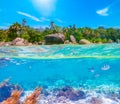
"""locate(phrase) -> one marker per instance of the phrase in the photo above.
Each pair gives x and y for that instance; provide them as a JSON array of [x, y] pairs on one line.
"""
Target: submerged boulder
[[84, 41], [95, 100], [55, 39], [71, 94]]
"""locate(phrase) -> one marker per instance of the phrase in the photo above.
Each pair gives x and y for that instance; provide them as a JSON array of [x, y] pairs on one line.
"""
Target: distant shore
[[2, 44]]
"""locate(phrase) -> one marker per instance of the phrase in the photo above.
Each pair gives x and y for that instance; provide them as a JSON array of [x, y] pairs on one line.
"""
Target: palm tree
[[14, 30]]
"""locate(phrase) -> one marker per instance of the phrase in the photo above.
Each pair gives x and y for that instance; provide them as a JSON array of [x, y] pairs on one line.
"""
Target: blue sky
[[91, 13]]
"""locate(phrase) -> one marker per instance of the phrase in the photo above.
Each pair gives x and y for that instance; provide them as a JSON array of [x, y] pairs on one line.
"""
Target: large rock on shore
[[19, 42], [72, 39], [84, 41], [5, 44], [55, 39]]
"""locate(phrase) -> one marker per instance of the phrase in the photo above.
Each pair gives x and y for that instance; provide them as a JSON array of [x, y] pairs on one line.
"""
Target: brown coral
[[32, 99], [14, 98]]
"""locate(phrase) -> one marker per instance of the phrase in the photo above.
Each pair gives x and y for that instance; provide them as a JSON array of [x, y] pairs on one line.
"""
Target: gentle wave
[[62, 57], [62, 51]]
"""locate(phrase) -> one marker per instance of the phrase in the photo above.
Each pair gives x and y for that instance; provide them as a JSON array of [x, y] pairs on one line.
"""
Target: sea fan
[[15, 97]]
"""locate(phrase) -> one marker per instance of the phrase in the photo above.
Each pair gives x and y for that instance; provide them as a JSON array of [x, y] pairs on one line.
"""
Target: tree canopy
[[100, 34]]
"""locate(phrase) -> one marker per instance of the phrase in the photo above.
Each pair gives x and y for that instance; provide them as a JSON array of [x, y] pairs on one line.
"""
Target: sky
[[39, 13]]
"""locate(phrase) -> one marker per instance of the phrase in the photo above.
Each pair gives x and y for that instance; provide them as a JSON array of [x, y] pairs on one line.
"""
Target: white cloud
[[103, 12], [46, 7], [59, 20], [29, 15]]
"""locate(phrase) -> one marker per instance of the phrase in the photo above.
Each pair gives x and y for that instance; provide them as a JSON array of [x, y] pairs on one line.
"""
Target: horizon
[[39, 13]]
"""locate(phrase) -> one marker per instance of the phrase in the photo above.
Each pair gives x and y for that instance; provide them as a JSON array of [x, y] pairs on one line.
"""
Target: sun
[[45, 7]]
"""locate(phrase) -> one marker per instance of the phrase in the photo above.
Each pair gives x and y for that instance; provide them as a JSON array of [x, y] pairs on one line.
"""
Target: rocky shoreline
[[48, 40]]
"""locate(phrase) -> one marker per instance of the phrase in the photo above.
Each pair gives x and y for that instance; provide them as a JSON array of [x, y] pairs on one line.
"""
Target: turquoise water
[[79, 66], [62, 51]]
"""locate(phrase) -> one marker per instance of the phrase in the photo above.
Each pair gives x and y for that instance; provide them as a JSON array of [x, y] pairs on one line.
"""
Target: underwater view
[[68, 74], [59, 51]]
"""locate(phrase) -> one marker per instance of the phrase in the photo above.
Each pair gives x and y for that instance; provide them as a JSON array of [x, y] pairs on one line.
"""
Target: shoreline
[[8, 44], [47, 51]]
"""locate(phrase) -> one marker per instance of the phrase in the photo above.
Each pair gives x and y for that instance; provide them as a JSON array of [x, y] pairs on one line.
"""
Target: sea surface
[[92, 69]]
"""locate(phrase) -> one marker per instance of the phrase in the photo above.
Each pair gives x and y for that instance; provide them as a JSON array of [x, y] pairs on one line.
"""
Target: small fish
[[92, 70], [105, 67]]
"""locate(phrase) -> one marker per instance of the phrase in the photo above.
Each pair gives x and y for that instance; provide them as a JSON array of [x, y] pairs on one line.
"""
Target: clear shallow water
[[61, 65], [87, 73], [62, 51], [90, 67]]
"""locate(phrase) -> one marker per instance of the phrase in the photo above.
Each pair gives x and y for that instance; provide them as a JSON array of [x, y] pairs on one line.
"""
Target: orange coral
[[32, 99], [14, 98]]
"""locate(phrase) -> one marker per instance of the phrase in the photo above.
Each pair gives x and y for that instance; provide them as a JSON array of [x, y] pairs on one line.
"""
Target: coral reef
[[71, 94], [2, 84], [14, 98], [95, 100], [12, 94], [32, 99], [6, 89]]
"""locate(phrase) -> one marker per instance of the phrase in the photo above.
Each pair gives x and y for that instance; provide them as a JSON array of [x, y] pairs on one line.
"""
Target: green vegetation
[[100, 34]]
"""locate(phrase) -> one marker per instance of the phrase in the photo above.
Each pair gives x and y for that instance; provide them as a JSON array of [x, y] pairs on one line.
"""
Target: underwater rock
[[71, 94], [45, 92], [118, 94], [95, 100]]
